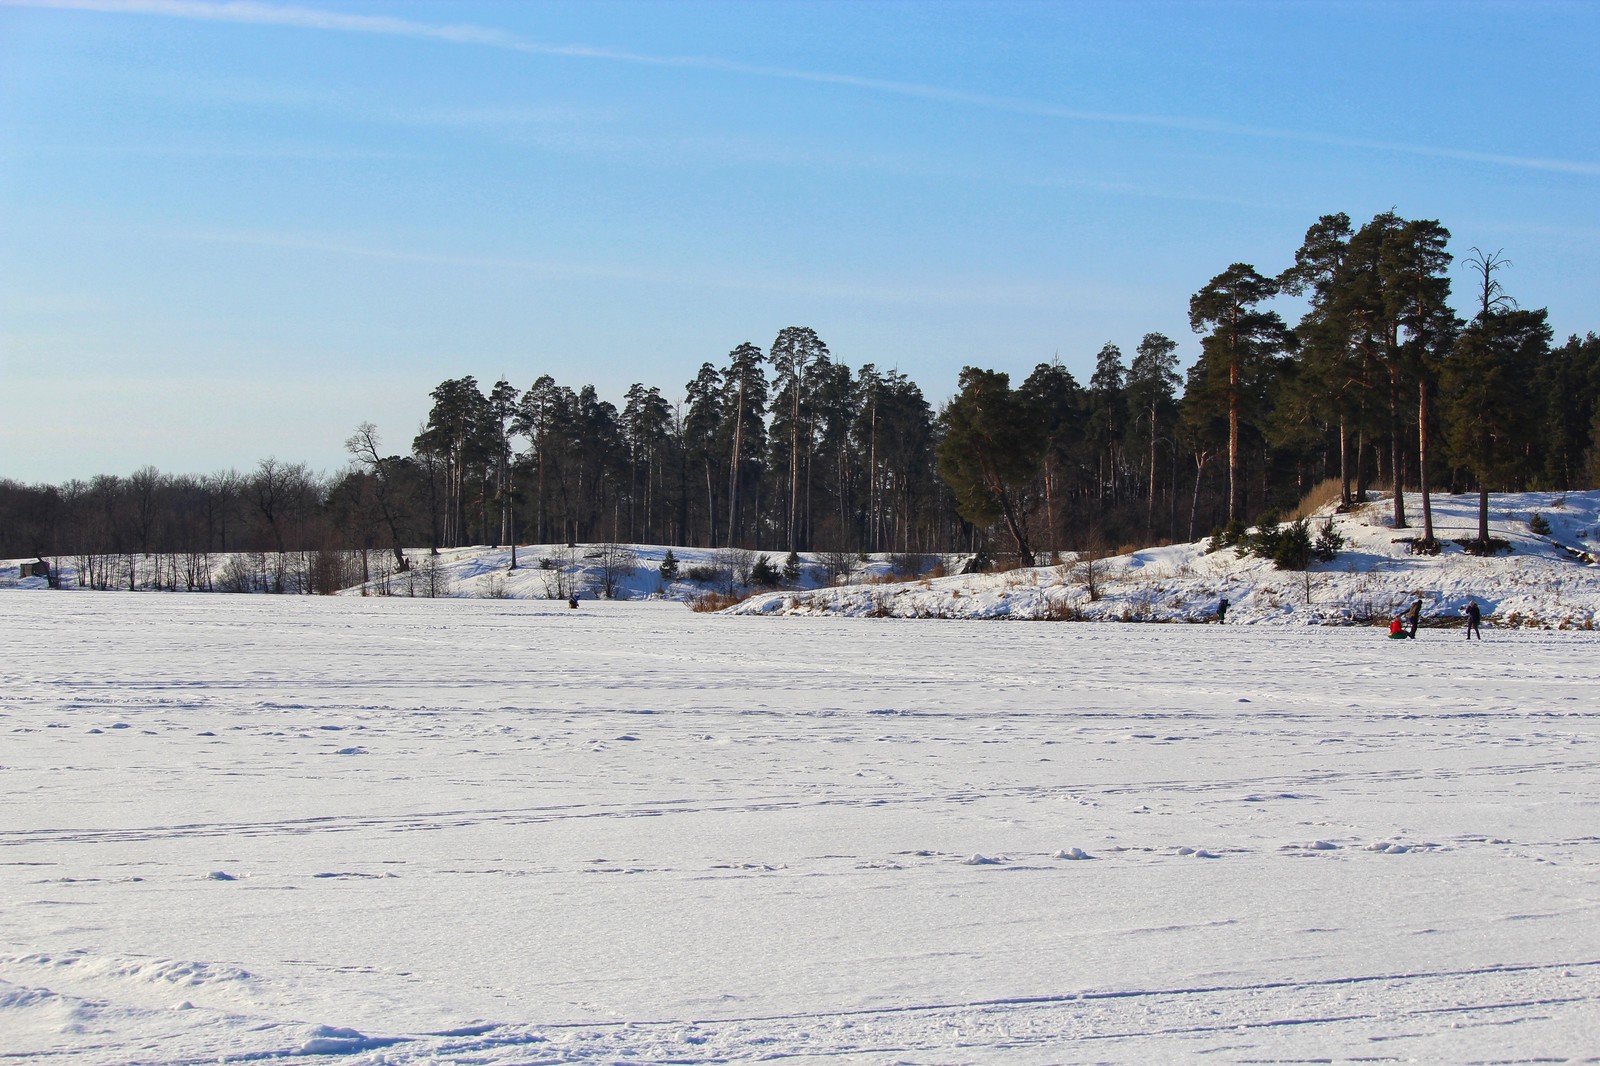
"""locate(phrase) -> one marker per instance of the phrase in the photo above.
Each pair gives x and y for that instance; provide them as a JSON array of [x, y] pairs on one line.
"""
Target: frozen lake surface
[[497, 832]]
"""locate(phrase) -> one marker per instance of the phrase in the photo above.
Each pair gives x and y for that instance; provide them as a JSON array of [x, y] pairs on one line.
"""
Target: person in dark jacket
[[1222, 611], [1473, 617], [1414, 615]]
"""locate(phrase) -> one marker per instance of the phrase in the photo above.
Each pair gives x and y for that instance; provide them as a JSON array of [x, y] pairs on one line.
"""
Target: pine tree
[[744, 404], [536, 419], [702, 451], [797, 356], [1487, 380], [991, 454], [1236, 352], [646, 434], [1417, 285], [895, 432], [1152, 383], [1108, 408], [763, 573], [1569, 398], [458, 432], [501, 419], [1057, 405], [1330, 386]]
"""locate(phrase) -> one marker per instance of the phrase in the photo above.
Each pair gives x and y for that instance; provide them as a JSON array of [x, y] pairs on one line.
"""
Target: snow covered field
[[499, 831]]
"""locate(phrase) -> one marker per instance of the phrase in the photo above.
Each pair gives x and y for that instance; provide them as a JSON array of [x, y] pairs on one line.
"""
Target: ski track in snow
[[387, 831]]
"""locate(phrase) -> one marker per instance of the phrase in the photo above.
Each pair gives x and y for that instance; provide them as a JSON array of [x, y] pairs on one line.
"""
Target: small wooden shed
[[37, 568]]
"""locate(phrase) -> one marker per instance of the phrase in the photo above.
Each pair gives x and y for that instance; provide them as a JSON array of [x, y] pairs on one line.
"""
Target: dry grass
[[1091, 573], [717, 601], [1323, 494], [1058, 609]]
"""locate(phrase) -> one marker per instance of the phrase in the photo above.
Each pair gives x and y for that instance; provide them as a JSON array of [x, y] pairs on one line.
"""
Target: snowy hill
[[543, 571], [609, 571], [1544, 580]]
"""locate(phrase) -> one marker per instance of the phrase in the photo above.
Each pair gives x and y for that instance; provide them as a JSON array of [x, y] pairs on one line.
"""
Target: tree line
[[1379, 383]]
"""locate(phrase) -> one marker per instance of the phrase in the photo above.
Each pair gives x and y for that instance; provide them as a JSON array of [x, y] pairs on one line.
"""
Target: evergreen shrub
[[764, 574], [1294, 548], [1329, 543]]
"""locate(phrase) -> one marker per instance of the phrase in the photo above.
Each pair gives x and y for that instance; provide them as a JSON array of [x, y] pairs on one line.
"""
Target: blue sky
[[235, 230]]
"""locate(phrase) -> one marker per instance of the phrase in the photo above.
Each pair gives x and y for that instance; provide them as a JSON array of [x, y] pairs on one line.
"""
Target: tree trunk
[[1150, 505], [711, 509], [1050, 507], [1172, 497], [794, 462], [875, 537], [1344, 468], [1396, 459], [733, 474], [1361, 467], [1233, 444], [1422, 462]]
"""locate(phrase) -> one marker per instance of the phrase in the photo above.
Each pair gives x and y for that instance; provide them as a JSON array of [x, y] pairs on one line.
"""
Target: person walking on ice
[[1473, 617], [1414, 615], [1222, 611]]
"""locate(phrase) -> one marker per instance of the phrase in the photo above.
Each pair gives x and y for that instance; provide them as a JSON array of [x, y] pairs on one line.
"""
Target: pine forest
[[1388, 376]]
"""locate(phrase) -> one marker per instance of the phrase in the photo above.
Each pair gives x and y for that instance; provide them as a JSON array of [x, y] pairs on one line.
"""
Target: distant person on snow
[[1473, 617], [1397, 628], [572, 601], [1413, 616], [1222, 610]]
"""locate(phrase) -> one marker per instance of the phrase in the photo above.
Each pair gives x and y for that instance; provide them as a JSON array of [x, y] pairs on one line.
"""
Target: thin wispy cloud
[[865, 290], [265, 14], [288, 153]]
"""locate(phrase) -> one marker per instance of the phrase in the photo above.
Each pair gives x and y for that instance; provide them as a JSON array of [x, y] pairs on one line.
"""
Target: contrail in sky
[[266, 14]]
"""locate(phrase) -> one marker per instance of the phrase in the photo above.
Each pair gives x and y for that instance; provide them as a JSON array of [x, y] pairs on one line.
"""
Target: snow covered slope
[[1545, 580]]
